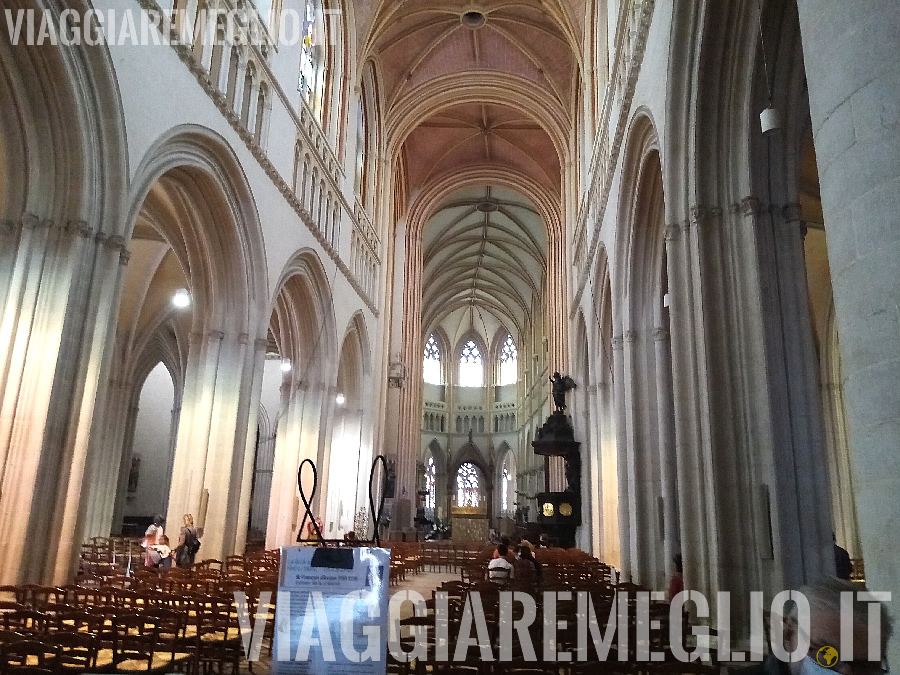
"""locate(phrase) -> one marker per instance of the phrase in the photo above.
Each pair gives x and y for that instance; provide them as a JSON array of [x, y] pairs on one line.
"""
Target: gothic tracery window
[[431, 364], [509, 362], [471, 366], [311, 61], [467, 486], [430, 472], [505, 480]]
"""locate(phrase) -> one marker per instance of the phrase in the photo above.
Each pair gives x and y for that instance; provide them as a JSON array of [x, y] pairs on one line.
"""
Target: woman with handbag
[[188, 543]]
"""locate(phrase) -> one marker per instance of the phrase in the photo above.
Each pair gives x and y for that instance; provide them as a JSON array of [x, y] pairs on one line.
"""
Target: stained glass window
[[430, 472], [467, 486], [310, 59], [471, 366], [431, 365], [509, 362], [505, 480]]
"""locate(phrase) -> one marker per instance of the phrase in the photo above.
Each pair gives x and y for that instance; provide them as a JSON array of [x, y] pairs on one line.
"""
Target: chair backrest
[[135, 637], [11, 636], [77, 651], [18, 653], [25, 621]]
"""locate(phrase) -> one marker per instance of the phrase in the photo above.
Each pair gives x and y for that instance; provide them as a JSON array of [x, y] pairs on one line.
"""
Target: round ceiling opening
[[473, 19]]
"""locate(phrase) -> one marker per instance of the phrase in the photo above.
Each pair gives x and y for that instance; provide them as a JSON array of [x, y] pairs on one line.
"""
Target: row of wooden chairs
[[186, 635]]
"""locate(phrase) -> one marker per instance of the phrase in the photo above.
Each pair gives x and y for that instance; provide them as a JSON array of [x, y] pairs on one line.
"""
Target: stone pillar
[[622, 443], [852, 55], [243, 513], [696, 506], [60, 286], [298, 439], [667, 463], [591, 488]]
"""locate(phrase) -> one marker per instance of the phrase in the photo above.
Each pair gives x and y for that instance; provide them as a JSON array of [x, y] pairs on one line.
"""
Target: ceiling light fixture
[[286, 366], [340, 399], [181, 299], [770, 118]]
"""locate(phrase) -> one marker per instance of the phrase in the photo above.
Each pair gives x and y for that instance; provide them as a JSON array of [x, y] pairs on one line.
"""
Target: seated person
[[527, 568], [159, 555], [501, 563], [509, 555]]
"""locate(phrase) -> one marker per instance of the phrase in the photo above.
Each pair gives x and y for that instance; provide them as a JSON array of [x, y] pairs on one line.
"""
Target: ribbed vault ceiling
[[418, 40], [530, 45], [485, 247], [481, 134]]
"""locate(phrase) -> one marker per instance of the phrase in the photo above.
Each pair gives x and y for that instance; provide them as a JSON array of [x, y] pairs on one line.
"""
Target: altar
[[471, 525]]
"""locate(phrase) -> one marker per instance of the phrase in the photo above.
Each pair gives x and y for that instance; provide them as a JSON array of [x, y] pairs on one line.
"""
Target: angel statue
[[561, 384]]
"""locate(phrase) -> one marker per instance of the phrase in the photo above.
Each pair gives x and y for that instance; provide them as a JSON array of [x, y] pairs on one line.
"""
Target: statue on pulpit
[[561, 385]]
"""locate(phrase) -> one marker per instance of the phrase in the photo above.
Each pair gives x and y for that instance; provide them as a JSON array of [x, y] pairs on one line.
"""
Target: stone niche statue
[[561, 385]]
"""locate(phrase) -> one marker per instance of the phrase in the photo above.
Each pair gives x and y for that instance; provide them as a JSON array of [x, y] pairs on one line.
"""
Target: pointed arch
[[200, 164]]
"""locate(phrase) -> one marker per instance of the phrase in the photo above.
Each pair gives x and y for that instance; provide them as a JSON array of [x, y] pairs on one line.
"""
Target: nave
[[225, 254]]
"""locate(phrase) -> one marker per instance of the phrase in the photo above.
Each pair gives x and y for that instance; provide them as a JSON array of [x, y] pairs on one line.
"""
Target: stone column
[[591, 487], [56, 311], [250, 448], [285, 460], [688, 361], [622, 443], [667, 462], [852, 55]]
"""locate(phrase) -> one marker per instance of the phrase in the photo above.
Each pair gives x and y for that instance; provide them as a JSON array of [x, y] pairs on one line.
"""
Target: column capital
[[30, 221], [697, 214], [701, 215], [617, 342], [260, 344], [661, 334], [215, 335], [750, 205], [673, 231], [243, 338], [792, 213], [79, 228], [113, 242], [631, 336]]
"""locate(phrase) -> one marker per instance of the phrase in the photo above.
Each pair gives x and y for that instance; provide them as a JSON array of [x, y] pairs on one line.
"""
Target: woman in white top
[[153, 536]]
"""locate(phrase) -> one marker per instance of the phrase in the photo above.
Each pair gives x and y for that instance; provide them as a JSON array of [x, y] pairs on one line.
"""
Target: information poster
[[331, 616]]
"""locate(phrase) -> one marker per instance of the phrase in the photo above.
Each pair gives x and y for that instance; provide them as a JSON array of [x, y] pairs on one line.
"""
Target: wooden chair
[[28, 653], [218, 635], [78, 621], [7, 636], [77, 651], [134, 645], [25, 621]]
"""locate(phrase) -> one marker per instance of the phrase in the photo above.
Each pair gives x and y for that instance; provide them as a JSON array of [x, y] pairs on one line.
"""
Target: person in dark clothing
[[527, 568], [842, 565]]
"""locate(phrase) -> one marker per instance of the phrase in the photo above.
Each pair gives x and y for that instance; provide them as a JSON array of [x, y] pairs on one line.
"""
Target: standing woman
[[188, 543]]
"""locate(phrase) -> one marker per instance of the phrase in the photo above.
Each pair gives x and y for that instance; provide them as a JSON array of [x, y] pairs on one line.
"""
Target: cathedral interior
[[339, 229]]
